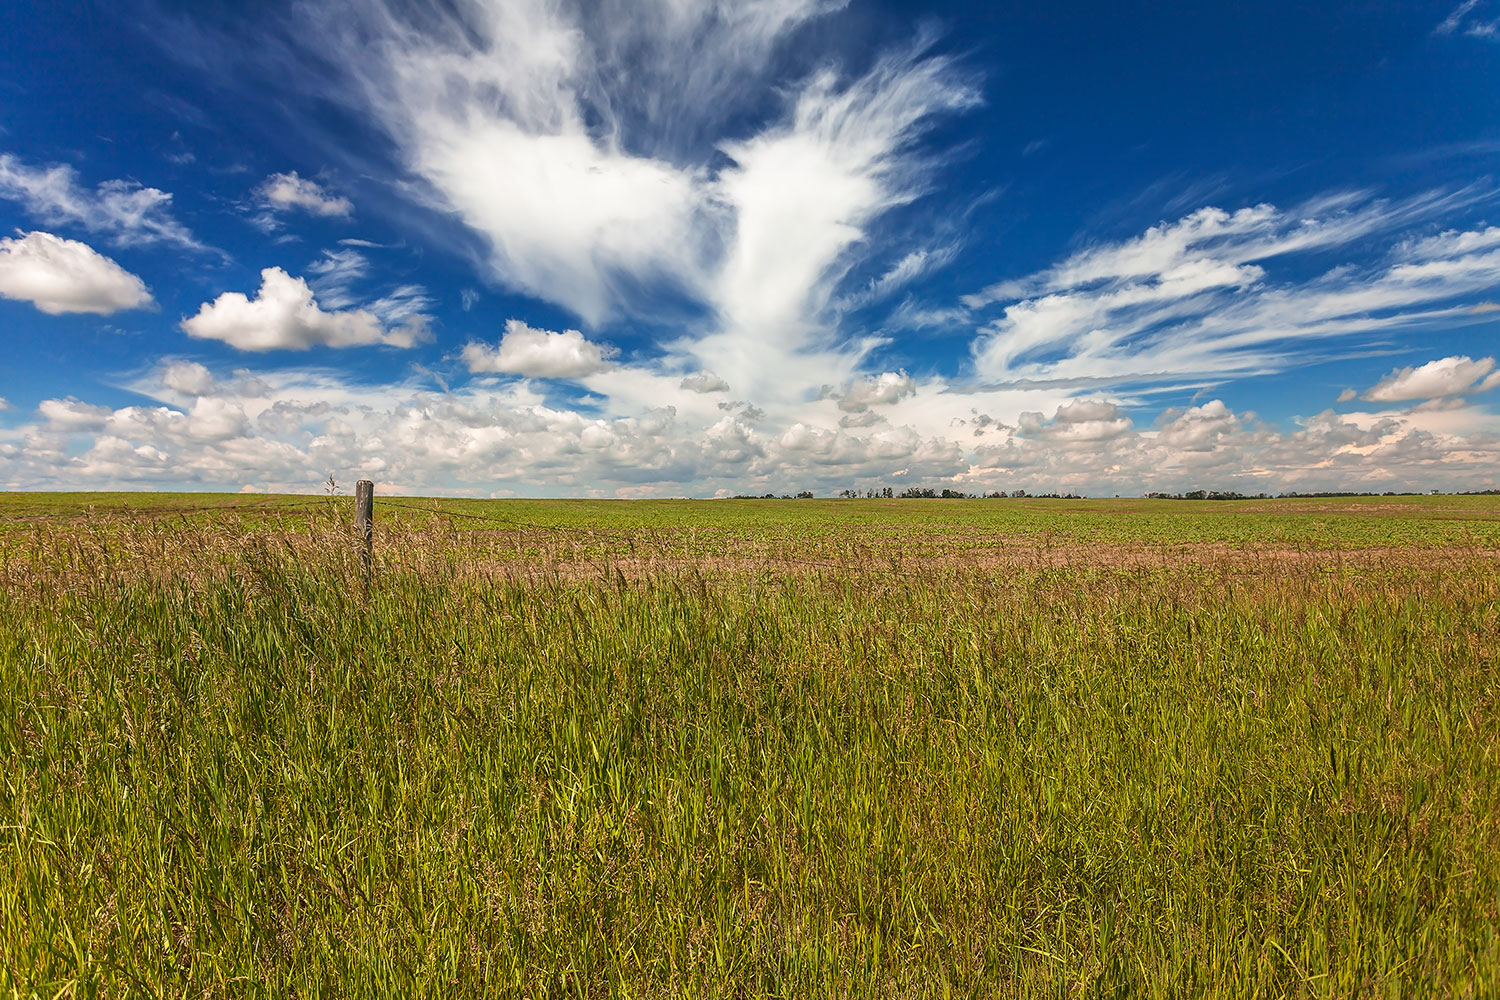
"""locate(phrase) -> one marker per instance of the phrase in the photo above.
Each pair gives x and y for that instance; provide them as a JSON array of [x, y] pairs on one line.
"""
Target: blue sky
[[688, 247]]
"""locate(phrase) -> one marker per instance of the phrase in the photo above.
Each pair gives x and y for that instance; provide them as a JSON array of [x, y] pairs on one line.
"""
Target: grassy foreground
[[800, 749]]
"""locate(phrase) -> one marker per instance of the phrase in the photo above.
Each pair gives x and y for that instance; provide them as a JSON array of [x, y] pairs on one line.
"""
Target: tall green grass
[[249, 775]]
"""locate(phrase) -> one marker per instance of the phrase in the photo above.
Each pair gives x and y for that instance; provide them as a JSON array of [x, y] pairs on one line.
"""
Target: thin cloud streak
[[1198, 297], [125, 211]]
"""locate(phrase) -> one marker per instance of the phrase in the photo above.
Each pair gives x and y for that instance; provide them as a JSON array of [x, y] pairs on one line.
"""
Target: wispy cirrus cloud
[[335, 274], [913, 266], [1473, 19], [1201, 297], [125, 211], [608, 155]]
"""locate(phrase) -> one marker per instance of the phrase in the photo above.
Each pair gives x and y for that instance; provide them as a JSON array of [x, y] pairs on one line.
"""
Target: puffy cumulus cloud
[[284, 192], [1198, 428], [1200, 297], [216, 419], [289, 427], [73, 415], [281, 428], [124, 210], [187, 377], [1444, 377], [284, 316], [286, 428], [65, 276], [884, 389], [535, 353], [1212, 447], [704, 382], [815, 452], [867, 418], [1082, 420]]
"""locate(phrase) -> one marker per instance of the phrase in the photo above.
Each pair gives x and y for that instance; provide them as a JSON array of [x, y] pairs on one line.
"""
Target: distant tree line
[[924, 493], [1404, 493], [804, 495], [1206, 495]]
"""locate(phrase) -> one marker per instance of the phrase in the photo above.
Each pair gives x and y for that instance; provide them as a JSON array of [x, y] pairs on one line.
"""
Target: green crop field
[[864, 748]]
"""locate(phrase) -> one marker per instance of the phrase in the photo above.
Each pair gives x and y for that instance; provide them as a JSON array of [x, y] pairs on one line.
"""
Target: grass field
[[794, 749]]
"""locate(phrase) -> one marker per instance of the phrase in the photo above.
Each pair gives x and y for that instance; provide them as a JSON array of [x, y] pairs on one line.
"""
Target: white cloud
[[1474, 27], [284, 192], [284, 316], [914, 265], [212, 419], [288, 427], [124, 210], [335, 274], [538, 354], [803, 192], [1451, 23], [607, 152], [879, 390], [405, 304], [1199, 428], [188, 377], [65, 276], [491, 110], [1078, 421], [1196, 298], [73, 415], [705, 382], [1443, 377]]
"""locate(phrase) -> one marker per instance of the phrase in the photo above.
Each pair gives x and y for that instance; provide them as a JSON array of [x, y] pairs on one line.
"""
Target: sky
[[639, 248]]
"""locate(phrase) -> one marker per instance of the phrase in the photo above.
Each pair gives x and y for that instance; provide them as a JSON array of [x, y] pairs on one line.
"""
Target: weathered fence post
[[364, 521]]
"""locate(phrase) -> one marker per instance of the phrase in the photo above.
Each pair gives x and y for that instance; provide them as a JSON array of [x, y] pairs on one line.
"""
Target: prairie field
[[804, 748]]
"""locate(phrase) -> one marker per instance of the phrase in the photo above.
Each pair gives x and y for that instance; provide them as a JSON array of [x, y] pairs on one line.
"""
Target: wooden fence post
[[364, 521]]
